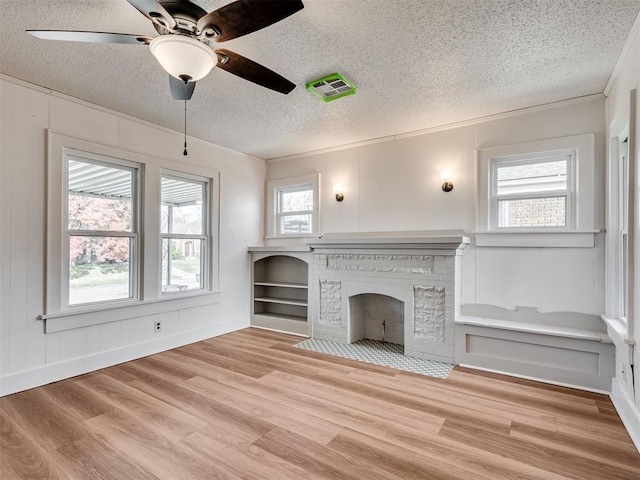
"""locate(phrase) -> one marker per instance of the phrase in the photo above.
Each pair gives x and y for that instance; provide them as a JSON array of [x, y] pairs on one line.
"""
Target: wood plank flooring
[[249, 406]]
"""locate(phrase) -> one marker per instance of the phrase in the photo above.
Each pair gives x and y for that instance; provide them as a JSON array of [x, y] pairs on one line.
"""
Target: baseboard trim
[[628, 413], [301, 335], [536, 379], [37, 377]]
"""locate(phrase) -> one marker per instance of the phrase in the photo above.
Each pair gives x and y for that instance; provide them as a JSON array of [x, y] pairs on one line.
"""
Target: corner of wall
[[629, 414]]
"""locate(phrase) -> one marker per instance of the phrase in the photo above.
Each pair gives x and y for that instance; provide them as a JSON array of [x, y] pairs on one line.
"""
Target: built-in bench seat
[[567, 348]]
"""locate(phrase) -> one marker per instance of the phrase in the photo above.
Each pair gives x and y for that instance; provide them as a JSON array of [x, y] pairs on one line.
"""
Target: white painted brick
[[394, 273]]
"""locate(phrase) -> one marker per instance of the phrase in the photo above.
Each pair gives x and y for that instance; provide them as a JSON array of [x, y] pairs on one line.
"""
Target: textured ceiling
[[416, 63]]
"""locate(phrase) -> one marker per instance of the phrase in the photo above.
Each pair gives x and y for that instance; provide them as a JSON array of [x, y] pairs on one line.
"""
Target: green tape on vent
[[331, 87]]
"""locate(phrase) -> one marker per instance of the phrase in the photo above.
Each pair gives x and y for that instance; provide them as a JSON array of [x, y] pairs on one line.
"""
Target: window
[[125, 231], [184, 230], [621, 213], [295, 209], [101, 234], [623, 231], [532, 191], [537, 194], [294, 203]]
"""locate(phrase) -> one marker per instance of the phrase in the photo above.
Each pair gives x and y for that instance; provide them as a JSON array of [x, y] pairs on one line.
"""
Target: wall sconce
[[447, 185], [337, 191]]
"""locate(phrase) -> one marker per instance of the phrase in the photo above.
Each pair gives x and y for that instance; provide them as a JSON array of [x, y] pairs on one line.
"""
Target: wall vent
[[331, 87]]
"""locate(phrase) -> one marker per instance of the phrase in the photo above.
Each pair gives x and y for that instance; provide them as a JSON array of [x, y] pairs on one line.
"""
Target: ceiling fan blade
[[92, 37], [181, 90], [252, 71], [246, 16], [154, 11]]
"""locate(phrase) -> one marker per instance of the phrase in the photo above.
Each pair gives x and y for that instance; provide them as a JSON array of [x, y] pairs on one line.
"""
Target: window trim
[[59, 319], [580, 234], [273, 200]]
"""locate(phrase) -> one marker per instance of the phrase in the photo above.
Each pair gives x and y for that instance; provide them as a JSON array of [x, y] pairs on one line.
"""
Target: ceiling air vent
[[331, 87]]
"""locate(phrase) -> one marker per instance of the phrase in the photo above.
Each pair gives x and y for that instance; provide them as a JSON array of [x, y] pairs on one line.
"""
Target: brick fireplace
[[411, 282]]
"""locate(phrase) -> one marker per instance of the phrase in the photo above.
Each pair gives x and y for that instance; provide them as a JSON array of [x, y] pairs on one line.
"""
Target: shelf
[[280, 291], [281, 316], [280, 250], [282, 301], [281, 323], [281, 284]]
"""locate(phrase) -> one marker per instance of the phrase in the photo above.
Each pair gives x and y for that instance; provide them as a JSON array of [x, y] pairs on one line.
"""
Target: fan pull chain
[[185, 128]]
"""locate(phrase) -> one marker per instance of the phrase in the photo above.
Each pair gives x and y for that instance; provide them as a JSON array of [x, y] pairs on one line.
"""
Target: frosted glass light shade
[[180, 55]]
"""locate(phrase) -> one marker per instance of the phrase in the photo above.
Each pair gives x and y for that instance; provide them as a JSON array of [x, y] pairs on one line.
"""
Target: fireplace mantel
[[420, 269], [441, 240]]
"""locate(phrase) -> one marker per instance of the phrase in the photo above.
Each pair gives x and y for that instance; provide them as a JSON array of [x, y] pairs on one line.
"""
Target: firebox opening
[[376, 317]]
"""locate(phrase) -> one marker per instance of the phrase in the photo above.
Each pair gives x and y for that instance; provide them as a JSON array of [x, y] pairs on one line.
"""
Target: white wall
[[625, 79], [28, 356], [394, 185]]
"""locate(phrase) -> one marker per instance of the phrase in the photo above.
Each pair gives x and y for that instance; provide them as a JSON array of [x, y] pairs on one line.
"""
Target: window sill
[[86, 317], [617, 330], [537, 238]]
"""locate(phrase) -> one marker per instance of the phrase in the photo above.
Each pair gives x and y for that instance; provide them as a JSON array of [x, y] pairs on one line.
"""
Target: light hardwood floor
[[249, 406]]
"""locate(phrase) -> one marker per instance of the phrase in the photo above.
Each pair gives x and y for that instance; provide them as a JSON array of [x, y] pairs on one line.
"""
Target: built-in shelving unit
[[280, 289]]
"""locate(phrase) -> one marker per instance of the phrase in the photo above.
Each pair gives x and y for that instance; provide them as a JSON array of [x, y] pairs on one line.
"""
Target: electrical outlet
[[157, 326]]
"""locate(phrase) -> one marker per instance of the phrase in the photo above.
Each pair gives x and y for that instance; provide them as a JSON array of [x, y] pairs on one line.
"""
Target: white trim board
[[535, 379], [440, 128], [582, 147], [537, 239], [115, 113], [37, 377]]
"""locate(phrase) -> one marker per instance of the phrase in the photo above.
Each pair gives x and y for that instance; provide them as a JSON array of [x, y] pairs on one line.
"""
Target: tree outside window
[[294, 206], [295, 209], [183, 226], [101, 231]]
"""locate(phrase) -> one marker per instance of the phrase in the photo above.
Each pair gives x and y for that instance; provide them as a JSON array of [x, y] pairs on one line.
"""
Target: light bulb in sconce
[[445, 177], [338, 192]]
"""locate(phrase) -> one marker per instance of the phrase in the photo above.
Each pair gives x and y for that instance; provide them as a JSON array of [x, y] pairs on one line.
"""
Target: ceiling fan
[[188, 33]]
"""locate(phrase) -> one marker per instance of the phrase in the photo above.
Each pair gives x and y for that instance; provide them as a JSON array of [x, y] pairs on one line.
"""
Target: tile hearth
[[378, 353]]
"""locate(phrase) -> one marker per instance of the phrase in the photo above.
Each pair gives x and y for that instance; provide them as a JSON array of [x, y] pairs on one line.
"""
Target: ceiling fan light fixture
[[183, 56]]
